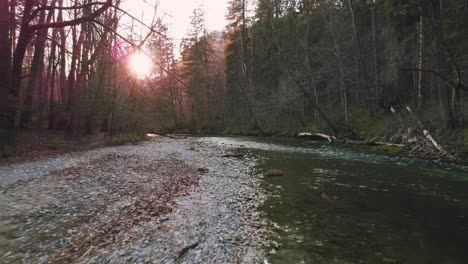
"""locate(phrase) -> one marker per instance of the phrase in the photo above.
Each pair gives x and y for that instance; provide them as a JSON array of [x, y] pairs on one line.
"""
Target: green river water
[[380, 209]]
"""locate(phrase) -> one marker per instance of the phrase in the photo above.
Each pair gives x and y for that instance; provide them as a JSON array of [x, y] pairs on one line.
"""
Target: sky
[[177, 13]]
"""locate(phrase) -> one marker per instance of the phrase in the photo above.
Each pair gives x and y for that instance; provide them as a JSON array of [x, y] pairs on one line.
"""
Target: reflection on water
[[379, 209]]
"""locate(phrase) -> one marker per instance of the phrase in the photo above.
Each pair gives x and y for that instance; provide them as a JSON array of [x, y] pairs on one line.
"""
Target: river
[[338, 205]]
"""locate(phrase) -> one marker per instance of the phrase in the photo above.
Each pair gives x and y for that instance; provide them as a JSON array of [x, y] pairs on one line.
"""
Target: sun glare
[[140, 65]]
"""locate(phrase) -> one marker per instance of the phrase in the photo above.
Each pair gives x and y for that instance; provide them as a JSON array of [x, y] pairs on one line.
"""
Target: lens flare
[[140, 65]]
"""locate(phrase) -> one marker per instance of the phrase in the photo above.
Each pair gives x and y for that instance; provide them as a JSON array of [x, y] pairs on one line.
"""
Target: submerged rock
[[203, 170], [274, 172], [389, 260]]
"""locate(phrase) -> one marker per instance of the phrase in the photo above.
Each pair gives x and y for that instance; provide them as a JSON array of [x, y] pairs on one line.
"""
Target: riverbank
[[395, 129], [163, 200], [35, 145]]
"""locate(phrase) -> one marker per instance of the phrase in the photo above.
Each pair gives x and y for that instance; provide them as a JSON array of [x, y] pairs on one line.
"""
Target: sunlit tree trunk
[[12, 17]]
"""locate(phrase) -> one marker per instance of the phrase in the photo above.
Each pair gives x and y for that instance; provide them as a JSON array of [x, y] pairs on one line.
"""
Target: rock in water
[[273, 173], [203, 170], [324, 196]]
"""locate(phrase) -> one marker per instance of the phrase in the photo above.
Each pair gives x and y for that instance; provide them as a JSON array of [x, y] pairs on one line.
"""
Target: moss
[[382, 125], [392, 149], [447, 174], [378, 127], [385, 150], [360, 122], [312, 127]]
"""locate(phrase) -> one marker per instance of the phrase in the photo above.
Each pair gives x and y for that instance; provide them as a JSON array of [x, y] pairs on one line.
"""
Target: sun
[[140, 65]]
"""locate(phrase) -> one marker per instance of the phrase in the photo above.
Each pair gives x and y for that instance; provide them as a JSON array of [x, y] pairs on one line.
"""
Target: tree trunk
[[52, 95], [337, 53], [12, 27], [73, 88], [24, 38], [359, 54], [5, 66], [63, 58], [376, 89], [35, 96], [420, 60], [248, 82]]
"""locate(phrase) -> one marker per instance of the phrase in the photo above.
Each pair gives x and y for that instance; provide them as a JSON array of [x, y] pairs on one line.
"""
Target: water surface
[[380, 209]]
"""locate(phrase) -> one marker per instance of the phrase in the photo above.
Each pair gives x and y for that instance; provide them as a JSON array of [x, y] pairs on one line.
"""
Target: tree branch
[[141, 22], [74, 22], [45, 8], [458, 85], [141, 50]]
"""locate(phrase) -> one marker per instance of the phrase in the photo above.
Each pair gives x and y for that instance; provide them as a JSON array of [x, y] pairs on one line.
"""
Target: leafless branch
[[141, 22], [49, 8], [142, 51], [458, 85], [74, 22]]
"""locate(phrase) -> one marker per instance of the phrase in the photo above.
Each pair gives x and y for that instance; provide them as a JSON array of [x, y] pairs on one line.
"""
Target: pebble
[[219, 216]]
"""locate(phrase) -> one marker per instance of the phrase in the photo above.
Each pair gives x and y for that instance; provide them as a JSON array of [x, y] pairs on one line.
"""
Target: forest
[[362, 69]]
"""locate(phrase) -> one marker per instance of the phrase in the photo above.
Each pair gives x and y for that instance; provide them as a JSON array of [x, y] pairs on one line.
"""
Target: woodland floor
[[160, 201]]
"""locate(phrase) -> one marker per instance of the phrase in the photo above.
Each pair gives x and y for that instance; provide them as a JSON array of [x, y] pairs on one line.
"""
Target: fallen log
[[386, 144], [437, 146], [316, 136], [430, 139], [174, 136], [372, 143]]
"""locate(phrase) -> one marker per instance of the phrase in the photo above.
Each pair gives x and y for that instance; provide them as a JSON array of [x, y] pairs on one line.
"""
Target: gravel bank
[[163, 201]]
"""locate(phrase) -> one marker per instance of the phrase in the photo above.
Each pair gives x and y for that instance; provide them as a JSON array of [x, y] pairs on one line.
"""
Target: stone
[[203, 170], [274, 172], [389, 260]]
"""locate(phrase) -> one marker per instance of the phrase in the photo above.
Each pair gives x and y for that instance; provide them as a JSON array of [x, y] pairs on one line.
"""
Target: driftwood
[[437, 146], [387, 144], [420, 140], [428, 137], [317, 137], [331, 139], [174, 136], [158, 135], [374, 143]]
